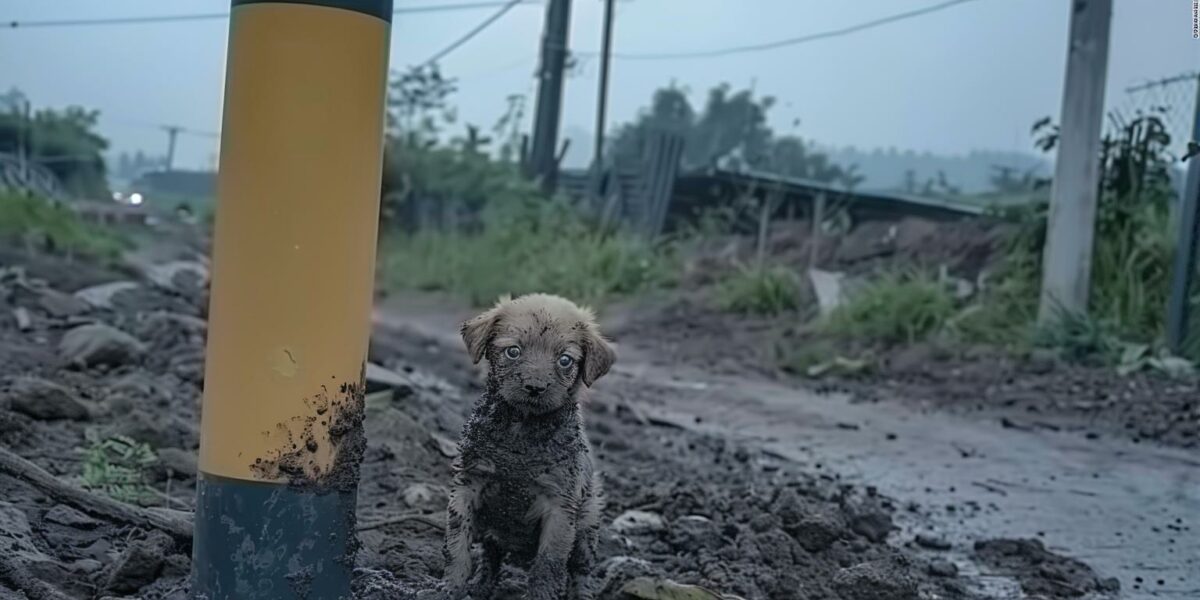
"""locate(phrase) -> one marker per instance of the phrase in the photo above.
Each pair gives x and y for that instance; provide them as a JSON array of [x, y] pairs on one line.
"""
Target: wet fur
[[524, 485]]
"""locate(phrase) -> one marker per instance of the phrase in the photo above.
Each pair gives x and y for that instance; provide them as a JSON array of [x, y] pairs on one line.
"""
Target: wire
[[472, 33], [787, 42], [431, 8]]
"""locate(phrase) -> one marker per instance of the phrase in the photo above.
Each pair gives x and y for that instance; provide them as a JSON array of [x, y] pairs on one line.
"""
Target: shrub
[[896, 308], [530, 245], [766, 291], [22, 216]]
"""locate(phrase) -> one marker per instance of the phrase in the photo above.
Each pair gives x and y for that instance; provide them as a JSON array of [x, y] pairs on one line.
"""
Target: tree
[[64, 141]]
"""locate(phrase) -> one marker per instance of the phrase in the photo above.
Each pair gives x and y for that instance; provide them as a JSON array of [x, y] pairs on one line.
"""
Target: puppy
[[524, 486]]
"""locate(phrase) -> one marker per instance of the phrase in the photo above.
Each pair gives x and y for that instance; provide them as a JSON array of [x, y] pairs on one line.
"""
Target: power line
[[795, 41], [430, 8], [472, 33]]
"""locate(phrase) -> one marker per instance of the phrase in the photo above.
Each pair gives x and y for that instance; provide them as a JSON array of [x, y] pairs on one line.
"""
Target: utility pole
[[1184, 268], [172, 133], [1067, 257], [542, 160], [24, 139], [602, 96]]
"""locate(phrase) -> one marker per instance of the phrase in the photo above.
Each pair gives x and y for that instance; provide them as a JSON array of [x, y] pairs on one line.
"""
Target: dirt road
[[1126, 509]]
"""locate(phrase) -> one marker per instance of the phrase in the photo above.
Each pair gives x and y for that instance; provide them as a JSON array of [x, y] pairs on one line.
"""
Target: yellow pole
[[289, 318]]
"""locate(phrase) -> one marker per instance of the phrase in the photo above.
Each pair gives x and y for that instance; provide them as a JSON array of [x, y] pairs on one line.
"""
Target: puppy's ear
[[477, 331], [598, 356]]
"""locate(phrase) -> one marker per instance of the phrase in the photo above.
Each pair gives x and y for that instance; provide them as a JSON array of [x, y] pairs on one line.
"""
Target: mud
[[729, 513], [1034, 392]]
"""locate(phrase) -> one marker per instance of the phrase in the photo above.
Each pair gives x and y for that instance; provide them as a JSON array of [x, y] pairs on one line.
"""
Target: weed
[[896, 308], [28, 217], [765, 291], [117, 466], [536, 245]]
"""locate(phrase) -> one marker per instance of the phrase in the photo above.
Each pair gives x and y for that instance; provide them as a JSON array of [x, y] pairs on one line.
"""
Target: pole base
[[268, 541]]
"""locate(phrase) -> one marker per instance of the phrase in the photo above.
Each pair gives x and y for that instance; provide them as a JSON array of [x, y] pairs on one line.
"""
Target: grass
[[23, 218], [764, 291], [535, 246], [903, 307], [117, 466]]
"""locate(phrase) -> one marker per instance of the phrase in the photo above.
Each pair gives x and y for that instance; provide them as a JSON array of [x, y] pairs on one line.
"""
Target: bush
[[24, 216], [766, 291], [897, 308], [531, 245]]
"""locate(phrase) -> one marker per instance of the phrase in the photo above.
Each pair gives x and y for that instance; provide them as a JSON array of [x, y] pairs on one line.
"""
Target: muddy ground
[[688, 503]]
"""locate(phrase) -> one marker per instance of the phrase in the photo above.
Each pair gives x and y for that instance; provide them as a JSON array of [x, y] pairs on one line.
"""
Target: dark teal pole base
[[260, 541]]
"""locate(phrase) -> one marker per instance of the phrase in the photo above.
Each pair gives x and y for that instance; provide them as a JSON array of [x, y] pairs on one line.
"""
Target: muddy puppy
[[524, 486]]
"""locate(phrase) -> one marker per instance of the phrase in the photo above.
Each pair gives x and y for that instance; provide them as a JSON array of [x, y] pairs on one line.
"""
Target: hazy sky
[[973, 76]]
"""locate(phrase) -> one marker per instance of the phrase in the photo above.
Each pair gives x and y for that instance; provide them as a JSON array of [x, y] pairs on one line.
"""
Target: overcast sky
[[972, 76]]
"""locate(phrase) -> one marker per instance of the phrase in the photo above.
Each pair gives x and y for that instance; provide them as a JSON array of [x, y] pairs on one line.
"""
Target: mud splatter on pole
[[297, 213]]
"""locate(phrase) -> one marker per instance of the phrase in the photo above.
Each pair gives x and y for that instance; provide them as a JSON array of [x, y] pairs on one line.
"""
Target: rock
[[932, 542], [45, 400], [65, 515], [61, 305], [694, 532], [649, 588], [181, 276], [98, 344], [818, 530], [943, 568], [159, 433], [827, 286], [174, 463], [873, 525], [85, 566], [875, 580], [423, 495], [140, 563], [635, 522], [15, 533], [445, 445], [101, 296], [22, 318]]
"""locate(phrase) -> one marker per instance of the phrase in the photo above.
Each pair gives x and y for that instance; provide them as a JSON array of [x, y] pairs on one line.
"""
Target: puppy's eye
[[565, 361], [513, 352]]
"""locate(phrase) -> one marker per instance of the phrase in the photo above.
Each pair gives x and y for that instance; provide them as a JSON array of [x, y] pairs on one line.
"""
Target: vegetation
[[897, 308], [117, 466], [64, 141], [765, 291], [536, 245], [30, 220]]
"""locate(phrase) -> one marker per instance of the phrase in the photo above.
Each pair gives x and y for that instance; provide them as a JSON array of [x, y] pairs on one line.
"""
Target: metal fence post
[[1184, 268]]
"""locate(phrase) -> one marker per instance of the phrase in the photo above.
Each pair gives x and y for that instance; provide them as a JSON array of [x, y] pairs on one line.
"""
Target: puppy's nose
[[534, 390]]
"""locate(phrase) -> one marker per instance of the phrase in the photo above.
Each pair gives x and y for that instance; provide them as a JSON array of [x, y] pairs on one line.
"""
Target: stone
[[174, 463], [101, 296], [23, 320], [65, 515], [875, 580], [97, 344], [140, 563], [45, 400], [943, 568], [652, 588], [932, 542], [61, 305], [635, 522], [423, 495]]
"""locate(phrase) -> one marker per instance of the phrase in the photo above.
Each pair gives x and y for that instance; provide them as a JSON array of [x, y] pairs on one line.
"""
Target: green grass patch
[[765, 291], [529, 246], [24, 218], [897, 308], [118, 467]]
